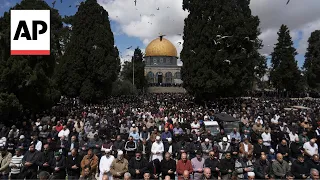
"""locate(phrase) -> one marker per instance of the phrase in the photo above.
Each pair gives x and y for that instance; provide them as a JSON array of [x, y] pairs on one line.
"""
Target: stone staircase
[[166, 90]]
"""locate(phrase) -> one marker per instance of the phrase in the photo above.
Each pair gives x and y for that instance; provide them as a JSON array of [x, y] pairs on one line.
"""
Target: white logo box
[[23, 46]]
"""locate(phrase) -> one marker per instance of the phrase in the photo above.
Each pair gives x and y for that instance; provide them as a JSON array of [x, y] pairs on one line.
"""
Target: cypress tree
[[285, 74], [91, 62], [220, 51], [312, 62]]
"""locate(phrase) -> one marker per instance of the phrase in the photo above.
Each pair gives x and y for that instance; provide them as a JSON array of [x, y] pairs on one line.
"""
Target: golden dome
[[161, 48]]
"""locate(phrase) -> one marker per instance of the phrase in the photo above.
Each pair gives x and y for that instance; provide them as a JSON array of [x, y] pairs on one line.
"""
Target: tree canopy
[[91, 62], [220, 51], [285, 74], [26, 81], [312, 62], [127, 71]]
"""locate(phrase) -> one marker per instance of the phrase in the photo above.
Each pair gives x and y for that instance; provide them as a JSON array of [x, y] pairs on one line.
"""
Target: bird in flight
[[179, 43], [129, 47], [135, 2], [288, 2], [53, 3], [179, 34], [215, 42], [60, 1], [158, 8], [70, 6], [222, 37], [227, 61]]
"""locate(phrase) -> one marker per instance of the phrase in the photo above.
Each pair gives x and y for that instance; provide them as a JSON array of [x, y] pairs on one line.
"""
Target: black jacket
[[283, 149], [71, 161], [313, 165], [261, 169], [258, 149], [212, 164], [46, 157], [166, 166], [34, 158], [295, 150], [140, 165], [61, 164], [299, 168], [225, 165], [153, 167]]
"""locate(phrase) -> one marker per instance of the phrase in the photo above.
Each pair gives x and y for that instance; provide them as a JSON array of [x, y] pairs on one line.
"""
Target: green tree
[[91, 61], [312, 62], [220, 51], [285, 74], [127, 71], [26, 81], [10, 106], [124, 87]]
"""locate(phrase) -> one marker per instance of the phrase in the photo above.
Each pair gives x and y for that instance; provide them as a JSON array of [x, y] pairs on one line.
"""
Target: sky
[[137, 25]]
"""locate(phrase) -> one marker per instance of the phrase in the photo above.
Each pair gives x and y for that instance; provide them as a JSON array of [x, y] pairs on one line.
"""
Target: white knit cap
[[224, 139], [120, 152], [206, 140], [169, 139], [250, 174], [158, 138]]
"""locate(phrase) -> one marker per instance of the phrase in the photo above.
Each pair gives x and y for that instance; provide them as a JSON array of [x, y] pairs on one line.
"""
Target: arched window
[[169, 77], [177, 75], [150, 77]]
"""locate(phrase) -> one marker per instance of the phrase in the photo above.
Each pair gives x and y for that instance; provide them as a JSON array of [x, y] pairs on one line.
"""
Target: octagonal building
[[161, 66]]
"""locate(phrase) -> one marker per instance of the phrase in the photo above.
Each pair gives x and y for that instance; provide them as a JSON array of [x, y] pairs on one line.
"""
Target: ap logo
[[30, 32]]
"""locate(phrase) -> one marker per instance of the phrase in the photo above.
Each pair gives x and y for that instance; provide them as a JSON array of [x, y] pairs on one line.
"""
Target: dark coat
[[212, 164], [225, 165], [261, 169], [166, 166], [295, 150], [61, 164], [299, 168], [46, 158], [153, 167], [34, 158], [313, 165], [258, 149], [140, 165], [71, 161]]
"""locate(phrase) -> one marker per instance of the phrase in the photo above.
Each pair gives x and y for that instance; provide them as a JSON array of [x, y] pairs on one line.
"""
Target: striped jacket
[[16, 164]]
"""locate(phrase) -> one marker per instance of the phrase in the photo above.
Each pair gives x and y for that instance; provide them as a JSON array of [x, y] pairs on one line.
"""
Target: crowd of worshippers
[[164, 137]]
